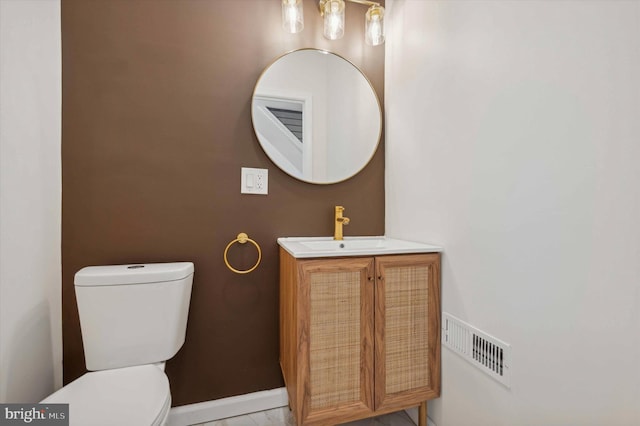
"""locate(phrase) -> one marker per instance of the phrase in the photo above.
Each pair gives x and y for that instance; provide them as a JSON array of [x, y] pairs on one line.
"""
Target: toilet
[[133, 318]]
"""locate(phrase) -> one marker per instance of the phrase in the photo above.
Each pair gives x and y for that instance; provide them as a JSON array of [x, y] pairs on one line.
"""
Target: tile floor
[[282, 417]]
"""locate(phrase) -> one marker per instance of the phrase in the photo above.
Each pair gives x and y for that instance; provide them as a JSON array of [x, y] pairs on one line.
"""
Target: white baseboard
[[413, 413], [209, 411]]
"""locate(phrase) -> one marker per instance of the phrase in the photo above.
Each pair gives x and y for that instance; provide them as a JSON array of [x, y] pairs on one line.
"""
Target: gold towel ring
[[242, 238]]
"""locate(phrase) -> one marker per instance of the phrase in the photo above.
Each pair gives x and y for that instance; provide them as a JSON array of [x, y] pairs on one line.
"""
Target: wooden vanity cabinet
[[359, 336]]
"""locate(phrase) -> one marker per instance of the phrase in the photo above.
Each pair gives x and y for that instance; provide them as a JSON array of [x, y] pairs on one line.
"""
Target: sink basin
[[305, 247]]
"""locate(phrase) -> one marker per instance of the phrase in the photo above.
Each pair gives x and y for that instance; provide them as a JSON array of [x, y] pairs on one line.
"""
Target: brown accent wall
[[156, 126]]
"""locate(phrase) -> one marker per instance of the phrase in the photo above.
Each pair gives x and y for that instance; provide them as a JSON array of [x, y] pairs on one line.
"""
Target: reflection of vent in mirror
[[291, 119], [284, 122]]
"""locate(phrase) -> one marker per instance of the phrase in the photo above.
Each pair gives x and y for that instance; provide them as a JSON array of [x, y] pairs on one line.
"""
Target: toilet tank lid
[[139, 273]]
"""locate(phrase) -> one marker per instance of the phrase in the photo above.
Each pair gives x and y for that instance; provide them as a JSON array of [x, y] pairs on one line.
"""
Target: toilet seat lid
[[124, 396]]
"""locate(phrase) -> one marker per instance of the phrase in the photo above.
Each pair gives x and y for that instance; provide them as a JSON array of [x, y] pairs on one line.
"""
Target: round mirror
[[316, 116]]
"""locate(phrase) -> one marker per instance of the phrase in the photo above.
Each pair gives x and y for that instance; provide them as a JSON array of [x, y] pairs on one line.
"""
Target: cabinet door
[[407, 330], [336, 339]]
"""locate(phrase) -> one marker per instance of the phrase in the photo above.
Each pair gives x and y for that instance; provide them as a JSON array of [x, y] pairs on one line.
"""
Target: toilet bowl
[[132, 318], [131, 396]]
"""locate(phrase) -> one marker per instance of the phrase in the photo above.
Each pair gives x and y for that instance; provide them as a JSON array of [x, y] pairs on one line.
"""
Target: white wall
[[513, 139], [30, 283]]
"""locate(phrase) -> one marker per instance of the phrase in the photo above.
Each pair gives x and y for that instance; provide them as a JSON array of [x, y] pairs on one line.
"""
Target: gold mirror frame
[[316, 152]]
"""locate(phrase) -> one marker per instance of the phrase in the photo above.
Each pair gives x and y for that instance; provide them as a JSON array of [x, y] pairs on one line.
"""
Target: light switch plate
[[254, 181]]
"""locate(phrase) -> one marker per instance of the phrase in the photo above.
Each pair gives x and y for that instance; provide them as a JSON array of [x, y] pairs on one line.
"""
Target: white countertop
[[308, 247]]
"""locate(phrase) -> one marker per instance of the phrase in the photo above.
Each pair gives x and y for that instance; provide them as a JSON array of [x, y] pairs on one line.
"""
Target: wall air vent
[[491, 355]]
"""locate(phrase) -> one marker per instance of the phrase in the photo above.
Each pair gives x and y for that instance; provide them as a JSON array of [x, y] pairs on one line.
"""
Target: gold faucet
[[337, 234]]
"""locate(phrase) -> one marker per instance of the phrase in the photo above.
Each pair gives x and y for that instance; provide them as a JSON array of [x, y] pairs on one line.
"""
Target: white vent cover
[[491, 355]]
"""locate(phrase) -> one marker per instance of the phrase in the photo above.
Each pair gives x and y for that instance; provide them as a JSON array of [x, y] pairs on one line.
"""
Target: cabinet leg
[[422, 414]]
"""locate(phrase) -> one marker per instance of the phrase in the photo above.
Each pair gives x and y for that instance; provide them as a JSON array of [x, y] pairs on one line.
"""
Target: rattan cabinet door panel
[[336, 339], [407, 330]]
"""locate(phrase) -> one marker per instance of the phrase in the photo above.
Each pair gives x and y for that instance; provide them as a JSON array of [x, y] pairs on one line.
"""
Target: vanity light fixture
[[332, 12], [292, 17], [374, 25]]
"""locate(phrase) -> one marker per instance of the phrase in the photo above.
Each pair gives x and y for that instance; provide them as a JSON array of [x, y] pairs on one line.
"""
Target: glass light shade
[[292, 16], [333, 19], [374, 26]]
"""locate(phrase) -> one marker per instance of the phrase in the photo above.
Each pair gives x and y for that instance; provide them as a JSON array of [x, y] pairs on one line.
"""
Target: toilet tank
[[133, 314]]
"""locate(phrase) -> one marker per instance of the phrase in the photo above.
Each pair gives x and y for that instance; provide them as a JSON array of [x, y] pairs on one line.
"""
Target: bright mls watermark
[[34, 414]]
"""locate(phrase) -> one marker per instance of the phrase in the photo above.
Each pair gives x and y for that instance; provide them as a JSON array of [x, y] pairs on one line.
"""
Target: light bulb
[[292, 16], [334, 19], [374, 25]]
